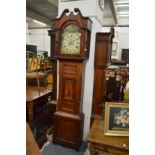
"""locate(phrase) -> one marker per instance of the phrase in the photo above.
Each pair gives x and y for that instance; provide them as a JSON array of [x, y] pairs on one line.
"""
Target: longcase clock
[[103, 49], [72, 49]]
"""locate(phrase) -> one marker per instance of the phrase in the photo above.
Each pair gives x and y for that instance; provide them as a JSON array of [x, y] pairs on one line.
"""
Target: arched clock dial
[[71, 40]]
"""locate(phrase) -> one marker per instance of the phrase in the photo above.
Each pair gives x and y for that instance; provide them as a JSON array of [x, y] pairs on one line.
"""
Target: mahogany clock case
[[68, 129], [84, 29], [68, 120], [103, 48], [70, 88]]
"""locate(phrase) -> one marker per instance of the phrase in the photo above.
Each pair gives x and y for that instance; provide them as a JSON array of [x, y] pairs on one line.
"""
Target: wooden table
[[113, 145], [31, 145], [34, 96]]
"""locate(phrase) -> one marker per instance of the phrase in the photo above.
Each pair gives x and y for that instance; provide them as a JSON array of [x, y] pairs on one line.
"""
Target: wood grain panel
[[101, 56], [70, 83], [113, 145], [70, 68], [69, 89], [68, 129], [102, 59]]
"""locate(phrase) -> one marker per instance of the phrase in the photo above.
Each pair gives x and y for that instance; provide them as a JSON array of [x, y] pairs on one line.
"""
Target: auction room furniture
[[40, 111], [31, 144], [33, 70], [72, 48], [52, 35], [116, 80], [103, 51], [35, 96], [48, 68], [125, 55], [113, 145]]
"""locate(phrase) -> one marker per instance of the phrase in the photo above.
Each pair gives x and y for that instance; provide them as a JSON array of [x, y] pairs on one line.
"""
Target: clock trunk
[[68, 120]]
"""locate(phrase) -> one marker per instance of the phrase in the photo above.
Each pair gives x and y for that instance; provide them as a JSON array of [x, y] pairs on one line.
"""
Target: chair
[[33, 69]]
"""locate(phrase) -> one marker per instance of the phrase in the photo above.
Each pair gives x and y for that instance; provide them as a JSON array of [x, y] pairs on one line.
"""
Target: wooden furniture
[[116, 80], [35, 96], [49, 71], [40, 111], [52, 35], [102, 59], [118, 62], [72, 48], [31, 145], [113, 145], [33, 67], [125, 55]]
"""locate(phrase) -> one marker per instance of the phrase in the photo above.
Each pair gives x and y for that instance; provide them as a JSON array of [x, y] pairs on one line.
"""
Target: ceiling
[[115, 12]]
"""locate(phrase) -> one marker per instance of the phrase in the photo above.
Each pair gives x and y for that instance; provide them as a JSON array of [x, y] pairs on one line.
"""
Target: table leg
[[30, 111]]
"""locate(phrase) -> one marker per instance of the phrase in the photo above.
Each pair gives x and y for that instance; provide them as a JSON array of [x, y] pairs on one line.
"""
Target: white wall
[[121, 37], [40, 38], [89, 11], [123, 40], [87, 7], [27, 34], [89, 78]]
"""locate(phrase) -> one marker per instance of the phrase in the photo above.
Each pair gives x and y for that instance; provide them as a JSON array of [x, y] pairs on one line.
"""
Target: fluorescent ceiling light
[[123, 12], [38, 22], [123, 15], [69, 0], [122, 5]]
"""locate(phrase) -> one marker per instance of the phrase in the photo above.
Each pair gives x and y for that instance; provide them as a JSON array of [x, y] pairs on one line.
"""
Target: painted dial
[[71, 40]]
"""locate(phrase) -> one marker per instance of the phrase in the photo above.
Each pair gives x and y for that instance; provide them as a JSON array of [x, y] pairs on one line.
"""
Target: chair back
[[32, 61]]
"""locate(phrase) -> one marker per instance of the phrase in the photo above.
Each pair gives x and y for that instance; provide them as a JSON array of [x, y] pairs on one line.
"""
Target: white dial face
[[71, 40]]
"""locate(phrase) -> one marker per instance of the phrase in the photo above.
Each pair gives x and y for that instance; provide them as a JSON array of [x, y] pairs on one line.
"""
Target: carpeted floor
[[55, 149]]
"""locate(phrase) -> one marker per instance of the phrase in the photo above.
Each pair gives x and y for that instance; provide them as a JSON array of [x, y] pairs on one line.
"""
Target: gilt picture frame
[[116, 119]]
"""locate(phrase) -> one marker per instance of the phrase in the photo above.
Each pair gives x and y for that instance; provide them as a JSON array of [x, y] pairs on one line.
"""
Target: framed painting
[[116, 119]]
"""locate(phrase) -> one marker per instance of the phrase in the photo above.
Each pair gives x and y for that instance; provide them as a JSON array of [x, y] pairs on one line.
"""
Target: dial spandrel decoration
[[71, 40]]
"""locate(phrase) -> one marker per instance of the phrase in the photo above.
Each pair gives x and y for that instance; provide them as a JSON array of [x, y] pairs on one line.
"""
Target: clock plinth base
[[68, 129]]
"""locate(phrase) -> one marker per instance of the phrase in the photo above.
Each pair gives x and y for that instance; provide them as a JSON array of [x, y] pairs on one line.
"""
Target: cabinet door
[[70, 83]]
